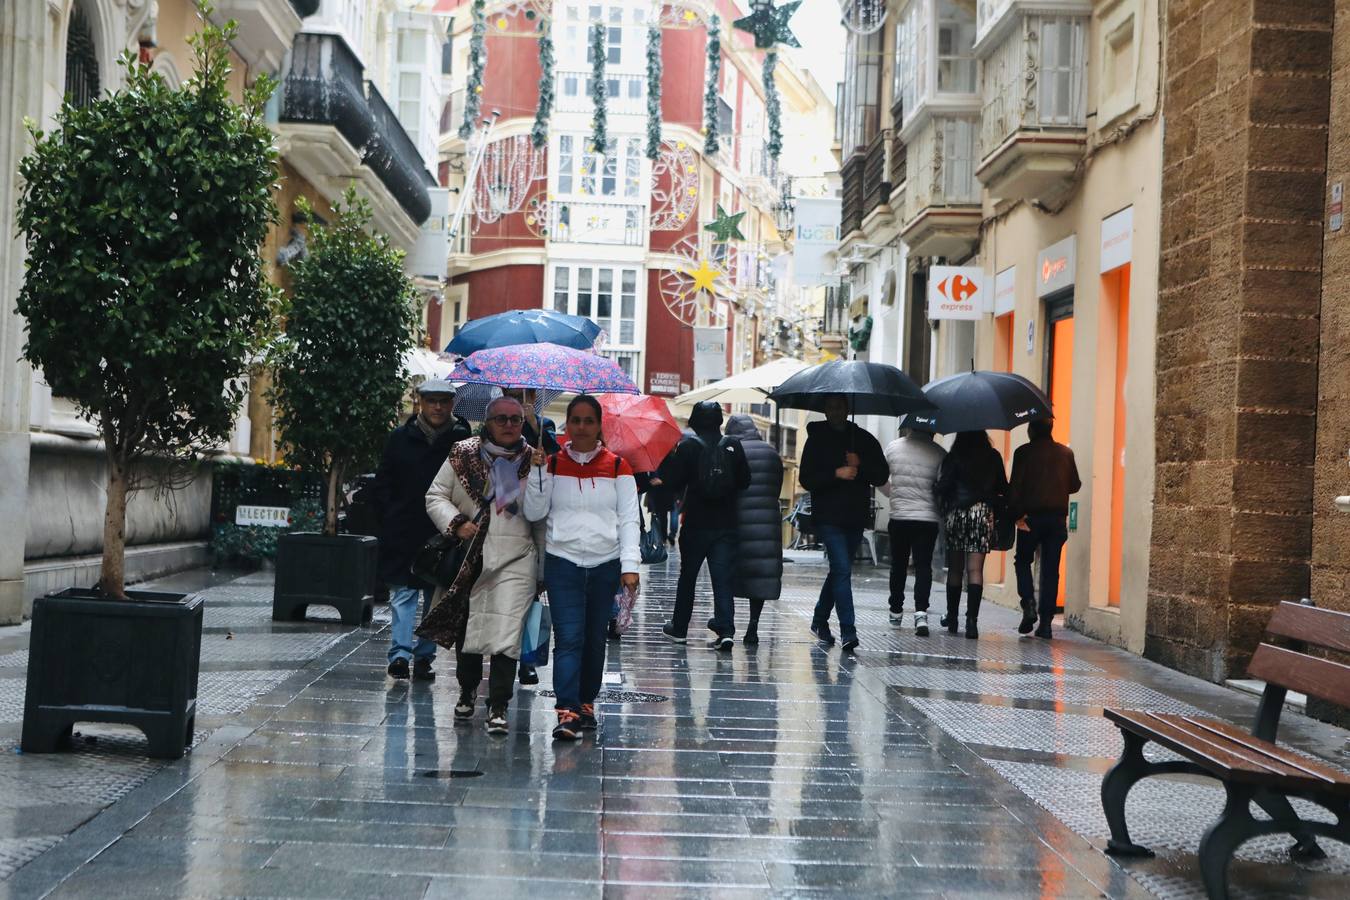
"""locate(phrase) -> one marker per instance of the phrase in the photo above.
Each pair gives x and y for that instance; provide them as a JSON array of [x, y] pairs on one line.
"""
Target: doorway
[[1059, 379]]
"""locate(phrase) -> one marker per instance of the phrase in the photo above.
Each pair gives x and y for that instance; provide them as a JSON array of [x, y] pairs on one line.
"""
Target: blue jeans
[[579, 601], [1048, 532], [841, 545], [403, 605], [718, 547]]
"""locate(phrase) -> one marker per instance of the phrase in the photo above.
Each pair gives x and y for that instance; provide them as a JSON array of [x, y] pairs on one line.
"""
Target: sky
[[816, 25]]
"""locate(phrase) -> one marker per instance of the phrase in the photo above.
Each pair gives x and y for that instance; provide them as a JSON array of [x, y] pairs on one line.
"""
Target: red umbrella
[[639, 428]]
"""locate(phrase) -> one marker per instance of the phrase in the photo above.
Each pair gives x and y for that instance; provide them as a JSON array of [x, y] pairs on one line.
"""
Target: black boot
[[751, 638], [953, 605], [974, 594], [1028, 618]]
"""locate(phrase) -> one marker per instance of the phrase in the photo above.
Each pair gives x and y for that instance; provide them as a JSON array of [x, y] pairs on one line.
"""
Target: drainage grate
[[452, 773], [619, 697]]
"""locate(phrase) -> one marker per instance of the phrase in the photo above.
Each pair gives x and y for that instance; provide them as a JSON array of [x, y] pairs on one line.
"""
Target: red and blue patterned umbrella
[[544, 367]]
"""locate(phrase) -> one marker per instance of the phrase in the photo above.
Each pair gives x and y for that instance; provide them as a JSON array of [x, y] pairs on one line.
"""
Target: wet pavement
[[930, 766]]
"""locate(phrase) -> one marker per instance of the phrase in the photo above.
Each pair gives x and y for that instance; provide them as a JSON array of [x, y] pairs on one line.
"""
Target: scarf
[[431, 433], [504, 483]]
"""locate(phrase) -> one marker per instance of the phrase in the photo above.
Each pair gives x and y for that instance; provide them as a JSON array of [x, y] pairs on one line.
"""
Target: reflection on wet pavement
[[923, 766]]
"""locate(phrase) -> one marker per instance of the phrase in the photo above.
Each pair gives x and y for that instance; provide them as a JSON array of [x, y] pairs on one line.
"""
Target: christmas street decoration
[[769, 23], [674, 203], [654, 92], [773, 106], [533, 10], [698, 274], [673, 15], [507, 177], [704, 277], [864, 17], [539, 133], [599, 94], [473, 94], [726, 227], [710, 142]]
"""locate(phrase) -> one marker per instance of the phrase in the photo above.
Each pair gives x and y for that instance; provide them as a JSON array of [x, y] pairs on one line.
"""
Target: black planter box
[[318, 569], [134, 661]]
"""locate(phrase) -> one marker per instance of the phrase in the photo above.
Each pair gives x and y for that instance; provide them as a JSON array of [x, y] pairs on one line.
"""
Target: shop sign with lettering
[[1055, 267]]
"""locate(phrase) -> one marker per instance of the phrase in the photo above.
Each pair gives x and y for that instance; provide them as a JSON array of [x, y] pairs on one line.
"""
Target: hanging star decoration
[[704, 276], [726, 227], [769, 24]]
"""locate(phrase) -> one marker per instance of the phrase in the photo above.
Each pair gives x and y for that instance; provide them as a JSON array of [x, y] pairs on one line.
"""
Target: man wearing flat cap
[[412, 457]]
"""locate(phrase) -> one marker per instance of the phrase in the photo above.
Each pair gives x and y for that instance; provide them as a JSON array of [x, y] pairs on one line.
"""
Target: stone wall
[[1245, 111]]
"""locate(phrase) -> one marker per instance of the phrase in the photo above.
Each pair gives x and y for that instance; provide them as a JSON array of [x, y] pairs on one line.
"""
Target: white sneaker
[[921, 624], [897, 619]]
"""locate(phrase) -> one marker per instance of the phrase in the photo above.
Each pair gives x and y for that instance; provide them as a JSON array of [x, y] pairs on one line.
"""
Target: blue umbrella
[[524, 326]]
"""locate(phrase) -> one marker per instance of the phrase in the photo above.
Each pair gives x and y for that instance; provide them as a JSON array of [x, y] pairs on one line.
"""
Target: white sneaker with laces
[[921, 624], [897, 619]]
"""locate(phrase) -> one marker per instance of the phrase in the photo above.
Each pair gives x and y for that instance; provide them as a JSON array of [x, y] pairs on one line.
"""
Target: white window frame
[[568, 279]]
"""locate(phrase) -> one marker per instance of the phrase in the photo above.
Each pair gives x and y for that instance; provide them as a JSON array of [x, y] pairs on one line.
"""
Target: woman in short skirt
[[971, 484]]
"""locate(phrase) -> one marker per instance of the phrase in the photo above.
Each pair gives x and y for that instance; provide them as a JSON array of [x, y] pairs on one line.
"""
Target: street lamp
[[785, 210]]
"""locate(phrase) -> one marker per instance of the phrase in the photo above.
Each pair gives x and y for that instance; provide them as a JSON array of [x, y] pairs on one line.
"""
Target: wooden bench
[[1251, 766]]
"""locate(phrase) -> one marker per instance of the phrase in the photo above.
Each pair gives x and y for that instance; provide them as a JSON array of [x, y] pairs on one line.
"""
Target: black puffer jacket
[[759, 559], [847, 504], [407, 468]]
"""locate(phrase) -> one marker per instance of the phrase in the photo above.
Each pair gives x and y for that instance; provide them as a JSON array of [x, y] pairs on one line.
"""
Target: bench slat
[[1321, 678], [1312, 768], [1319, 627], [1211, 750]]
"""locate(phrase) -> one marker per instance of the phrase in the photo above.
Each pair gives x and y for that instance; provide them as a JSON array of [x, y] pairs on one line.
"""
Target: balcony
[[876, 174], [591, 222], [941, 206], [1033, 126], [627, 93], [336, 127], [760, 171], [853, 194], [266, 28], [629, 360]]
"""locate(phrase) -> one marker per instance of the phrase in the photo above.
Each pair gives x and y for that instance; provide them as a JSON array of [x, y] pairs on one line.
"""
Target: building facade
[[1022, 140], [618, 236]]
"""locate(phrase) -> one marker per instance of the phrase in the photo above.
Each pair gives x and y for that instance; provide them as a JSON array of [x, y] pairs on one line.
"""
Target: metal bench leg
[[1282, 812], [1235, 827], [1131, 767]]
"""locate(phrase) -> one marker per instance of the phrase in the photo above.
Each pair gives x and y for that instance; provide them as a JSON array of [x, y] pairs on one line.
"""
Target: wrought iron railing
[[324, 85], [876, 172], [626, 92], [1035, 79], [629, 360], [851, 215], [588, 222]]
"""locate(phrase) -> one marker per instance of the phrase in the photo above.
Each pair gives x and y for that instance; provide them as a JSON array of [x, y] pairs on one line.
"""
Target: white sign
[[1005, 291], [815, 237], [956, 292], [1117, 240], [666, 384], [710, 354], [432, 250], [1054, 267], [269, 516]]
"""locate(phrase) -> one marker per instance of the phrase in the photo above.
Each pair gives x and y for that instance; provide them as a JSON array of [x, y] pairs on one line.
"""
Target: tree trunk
[[114, 580], [331, 503]]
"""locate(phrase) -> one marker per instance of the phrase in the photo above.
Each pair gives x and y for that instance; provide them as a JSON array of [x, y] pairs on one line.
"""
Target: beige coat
[[512, 556]]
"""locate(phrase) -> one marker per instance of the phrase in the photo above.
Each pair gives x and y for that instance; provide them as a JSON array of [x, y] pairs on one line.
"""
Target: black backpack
[[716, 479]]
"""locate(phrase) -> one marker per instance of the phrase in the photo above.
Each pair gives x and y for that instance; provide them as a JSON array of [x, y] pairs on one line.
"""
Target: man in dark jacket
[[841, 464], [709, 528], [412, 457], [1044, 474], [759, 555]]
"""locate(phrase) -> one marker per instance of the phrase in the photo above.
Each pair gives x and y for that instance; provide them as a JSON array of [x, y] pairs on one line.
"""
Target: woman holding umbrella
[[587, 497], [478, 496], [971, 487]]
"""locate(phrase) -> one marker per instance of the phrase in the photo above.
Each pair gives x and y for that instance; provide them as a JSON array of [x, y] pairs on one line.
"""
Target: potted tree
[[145, 298], [338, 382]]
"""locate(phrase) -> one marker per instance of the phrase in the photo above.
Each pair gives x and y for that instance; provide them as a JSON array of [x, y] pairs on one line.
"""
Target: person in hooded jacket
[[412, 456], [708, 530], [841, 464], [759, 525], [914, 459]]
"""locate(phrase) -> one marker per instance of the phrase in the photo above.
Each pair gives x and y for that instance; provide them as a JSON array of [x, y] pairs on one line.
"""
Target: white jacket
[[591, 507], [914, 462]]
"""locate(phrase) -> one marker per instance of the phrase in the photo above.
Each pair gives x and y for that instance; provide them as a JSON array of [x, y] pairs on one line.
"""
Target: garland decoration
[[710, 142], [539, 133], [473, 95], [600, 96], [654, 92], [773, 105]]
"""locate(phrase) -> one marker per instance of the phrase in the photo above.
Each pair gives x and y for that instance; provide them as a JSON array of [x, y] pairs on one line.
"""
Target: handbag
[[439, 560], [652, 548], [535, 637], [1005, 527]]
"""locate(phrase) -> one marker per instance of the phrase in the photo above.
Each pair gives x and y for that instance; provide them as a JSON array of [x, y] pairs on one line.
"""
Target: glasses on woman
[[505, 421]]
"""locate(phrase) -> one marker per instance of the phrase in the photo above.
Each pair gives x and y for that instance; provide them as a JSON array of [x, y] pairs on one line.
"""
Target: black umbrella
[[872, 389], [975, 401]]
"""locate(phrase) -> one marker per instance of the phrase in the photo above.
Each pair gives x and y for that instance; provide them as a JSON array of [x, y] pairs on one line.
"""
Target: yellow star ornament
[[704, 276]]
